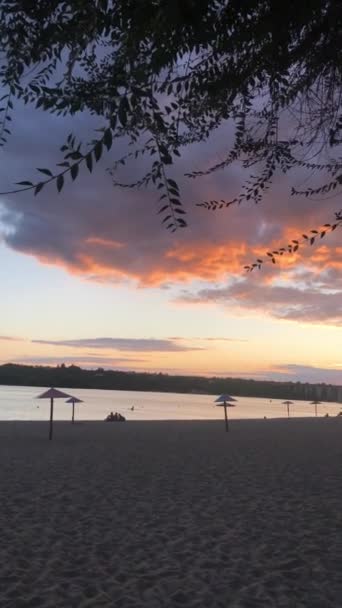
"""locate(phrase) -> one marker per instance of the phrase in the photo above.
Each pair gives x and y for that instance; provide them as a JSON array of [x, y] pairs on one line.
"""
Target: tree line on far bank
[[75, 377]]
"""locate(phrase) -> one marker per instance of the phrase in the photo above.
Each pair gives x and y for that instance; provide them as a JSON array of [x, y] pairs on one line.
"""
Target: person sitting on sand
[[115, 417], [110, 417]]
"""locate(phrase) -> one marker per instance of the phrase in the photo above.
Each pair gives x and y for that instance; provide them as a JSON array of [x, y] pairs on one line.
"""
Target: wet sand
[[167, 514]]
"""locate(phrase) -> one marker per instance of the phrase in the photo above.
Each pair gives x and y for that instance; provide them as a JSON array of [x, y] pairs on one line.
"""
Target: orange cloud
[[111, 235], [181, 264], [95, 240], [205, 261]]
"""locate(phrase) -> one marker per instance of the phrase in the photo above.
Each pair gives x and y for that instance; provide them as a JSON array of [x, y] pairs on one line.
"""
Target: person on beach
[[110, 417], [115, 417]]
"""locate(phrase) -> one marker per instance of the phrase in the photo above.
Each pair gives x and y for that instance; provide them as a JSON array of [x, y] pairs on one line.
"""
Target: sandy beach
[[161, 514]]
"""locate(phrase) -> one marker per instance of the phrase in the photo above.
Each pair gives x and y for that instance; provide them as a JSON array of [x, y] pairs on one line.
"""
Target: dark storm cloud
[[106, 234]]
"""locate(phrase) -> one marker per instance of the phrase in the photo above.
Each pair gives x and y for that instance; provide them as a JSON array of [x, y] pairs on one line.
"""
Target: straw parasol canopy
[[288, 403], [52, 393], [315, 403], [225, 401], [73, 400]]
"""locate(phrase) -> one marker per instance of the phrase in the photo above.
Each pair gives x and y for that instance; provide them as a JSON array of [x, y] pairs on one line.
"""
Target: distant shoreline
[[74, 377]]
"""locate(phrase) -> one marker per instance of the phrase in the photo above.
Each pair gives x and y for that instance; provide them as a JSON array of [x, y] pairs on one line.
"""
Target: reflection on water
[[20, 403]]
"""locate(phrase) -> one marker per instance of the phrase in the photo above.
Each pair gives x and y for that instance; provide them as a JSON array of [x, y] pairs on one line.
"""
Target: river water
[[20, 403]]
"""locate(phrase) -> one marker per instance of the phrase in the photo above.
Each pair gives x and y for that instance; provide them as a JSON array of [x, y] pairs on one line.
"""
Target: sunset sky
[[90, 277]]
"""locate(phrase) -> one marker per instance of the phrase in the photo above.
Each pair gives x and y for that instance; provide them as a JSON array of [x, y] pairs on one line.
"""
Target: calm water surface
[[20, 403]]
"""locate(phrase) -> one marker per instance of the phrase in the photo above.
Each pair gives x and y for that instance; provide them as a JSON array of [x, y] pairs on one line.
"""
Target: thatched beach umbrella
[[52, 394], [288, 403], [226, 401], [315, 403], [73, 400]]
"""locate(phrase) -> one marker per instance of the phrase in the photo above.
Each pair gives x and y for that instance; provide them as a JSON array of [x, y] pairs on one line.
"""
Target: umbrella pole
[[288, 410], [73, 412], [315, 409], [51, 418], [226, 417]]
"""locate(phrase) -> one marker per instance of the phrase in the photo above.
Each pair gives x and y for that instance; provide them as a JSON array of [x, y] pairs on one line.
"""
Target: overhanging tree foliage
[[165, 74]]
